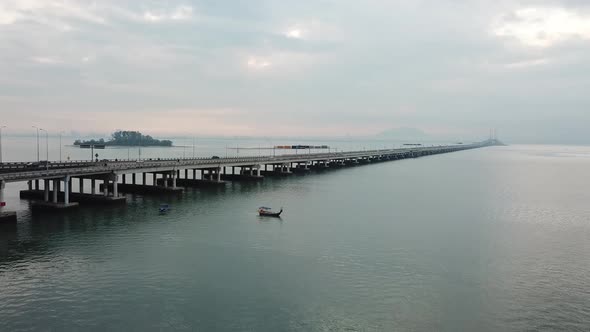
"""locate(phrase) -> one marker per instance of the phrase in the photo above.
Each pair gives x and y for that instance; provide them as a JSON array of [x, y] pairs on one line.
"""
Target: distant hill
[[405, 134]]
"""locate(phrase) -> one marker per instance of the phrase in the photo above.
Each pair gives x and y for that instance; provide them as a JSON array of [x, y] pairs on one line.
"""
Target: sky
[[450, 68]]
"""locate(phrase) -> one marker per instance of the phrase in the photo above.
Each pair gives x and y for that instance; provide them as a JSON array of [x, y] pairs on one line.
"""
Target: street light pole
[[139, 146], [46, 144], [61, 132], [1, 143], [37, 142]]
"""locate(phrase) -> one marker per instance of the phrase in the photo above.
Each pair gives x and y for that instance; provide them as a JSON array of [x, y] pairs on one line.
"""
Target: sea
[[491, 239]]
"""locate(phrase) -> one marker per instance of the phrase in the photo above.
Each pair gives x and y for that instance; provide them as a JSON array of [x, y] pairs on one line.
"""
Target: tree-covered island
[[126, 138]]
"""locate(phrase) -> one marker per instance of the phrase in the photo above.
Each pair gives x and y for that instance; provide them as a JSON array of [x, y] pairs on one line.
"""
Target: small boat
[[267, 212], [164, 208]]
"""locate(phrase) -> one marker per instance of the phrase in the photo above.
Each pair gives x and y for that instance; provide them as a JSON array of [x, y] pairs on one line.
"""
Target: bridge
[[50, 184]]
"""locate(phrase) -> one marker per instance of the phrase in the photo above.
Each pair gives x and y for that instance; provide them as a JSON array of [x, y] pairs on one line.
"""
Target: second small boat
[[268, 212]]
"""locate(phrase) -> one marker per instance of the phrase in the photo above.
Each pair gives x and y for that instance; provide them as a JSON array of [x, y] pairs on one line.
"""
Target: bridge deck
[[14, 172]]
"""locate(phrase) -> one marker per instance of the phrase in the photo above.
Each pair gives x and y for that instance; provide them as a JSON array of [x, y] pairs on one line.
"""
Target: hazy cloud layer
[[256, 67]]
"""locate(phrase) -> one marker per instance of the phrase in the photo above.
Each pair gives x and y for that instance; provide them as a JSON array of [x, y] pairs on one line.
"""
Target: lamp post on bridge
[[37, 142], [60, 133], [1, 143], [46, 147]]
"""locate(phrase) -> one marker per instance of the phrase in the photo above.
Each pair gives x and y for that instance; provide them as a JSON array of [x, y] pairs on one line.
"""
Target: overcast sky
[[327, 67]]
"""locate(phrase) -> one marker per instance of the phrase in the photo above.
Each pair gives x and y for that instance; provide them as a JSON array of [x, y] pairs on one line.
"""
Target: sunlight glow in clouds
[[543, 27], [294, 33], [181, 13], [257, 63]]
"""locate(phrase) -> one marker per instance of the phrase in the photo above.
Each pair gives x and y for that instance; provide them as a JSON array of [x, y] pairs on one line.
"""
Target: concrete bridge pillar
[[93, 186], [105, 188], [81, 181], [165, 178], [155, 179], [218, 175], [143, 178], [67, 189], [46, 190], [174, 176], [194, 174], [186, 173], [30, 184], [55, 190], [2, 202], [133, 180], [36, 184], [123, 178], [116, 186]]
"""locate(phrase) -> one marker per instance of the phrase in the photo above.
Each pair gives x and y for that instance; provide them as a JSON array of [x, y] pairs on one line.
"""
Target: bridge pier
[[247, 173], [45, 190], [43, 202], [6, 217]]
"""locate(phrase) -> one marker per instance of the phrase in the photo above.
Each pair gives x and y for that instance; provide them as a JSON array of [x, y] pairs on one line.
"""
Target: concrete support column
[[93, 186], [36, 184], [202, 174], [165, 178], [143, 178], [30, 184], [81, 180], [105, 189], [155, 178], [123, 178], [116, 186], [2, 202], [186, 173], [177, 173], [174, 175], [258, 171], [233, 170], [46, 190], [55, 190], [218, 174], [67, 189], [194, 174], [133, 178]]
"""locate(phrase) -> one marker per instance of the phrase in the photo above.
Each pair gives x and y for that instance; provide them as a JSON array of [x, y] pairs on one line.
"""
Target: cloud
[[311, 29], [543, 26], [180, 13], [304, 67]]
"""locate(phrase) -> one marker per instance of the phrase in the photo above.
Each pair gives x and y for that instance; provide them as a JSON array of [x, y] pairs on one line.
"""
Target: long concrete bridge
[[50, 184]]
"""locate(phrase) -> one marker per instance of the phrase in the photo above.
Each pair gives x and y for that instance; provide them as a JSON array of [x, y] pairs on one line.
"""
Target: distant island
[[126, 138]]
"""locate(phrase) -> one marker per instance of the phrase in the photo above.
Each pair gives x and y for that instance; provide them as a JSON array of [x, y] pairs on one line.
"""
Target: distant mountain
[[405, 134]]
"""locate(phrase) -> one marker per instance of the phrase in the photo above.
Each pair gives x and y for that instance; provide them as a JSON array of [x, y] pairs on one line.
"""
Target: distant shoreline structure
[[124, 138]]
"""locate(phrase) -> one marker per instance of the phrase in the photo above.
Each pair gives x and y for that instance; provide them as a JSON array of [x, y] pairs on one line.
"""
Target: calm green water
[[495, 239]]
